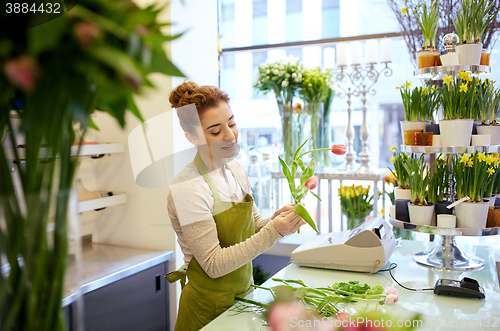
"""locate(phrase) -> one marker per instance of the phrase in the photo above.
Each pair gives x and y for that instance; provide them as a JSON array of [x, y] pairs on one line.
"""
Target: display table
[[435, 310]]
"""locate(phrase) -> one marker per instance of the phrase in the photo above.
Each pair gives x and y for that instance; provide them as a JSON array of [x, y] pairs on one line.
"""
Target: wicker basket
[[493, 220]]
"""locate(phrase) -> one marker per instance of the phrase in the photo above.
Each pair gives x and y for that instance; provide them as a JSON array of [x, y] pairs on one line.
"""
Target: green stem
[[313, 150], [259, 304]]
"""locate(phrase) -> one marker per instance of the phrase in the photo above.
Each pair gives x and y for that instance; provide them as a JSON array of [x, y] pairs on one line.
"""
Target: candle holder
[[357, 78]]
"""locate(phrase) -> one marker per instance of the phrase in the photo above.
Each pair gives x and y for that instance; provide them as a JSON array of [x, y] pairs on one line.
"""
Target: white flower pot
[[446, 221], [480, 140], [420, 215], [472, 214], [402, 194], [392, 211], [450, 59], [469, 54], [491, 201], [492, 130], [436, 140], [412, 125], [456, 132]]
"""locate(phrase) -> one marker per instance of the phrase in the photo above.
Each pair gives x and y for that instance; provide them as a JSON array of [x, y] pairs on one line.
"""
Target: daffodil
[[404, 11], [463, 87], [464, 158], [463, 75], [490, 171], [470, 163], [425, 91], [392, 159], [481, 157], [393, 148], [448, 79], [490, 159], [495, 155]]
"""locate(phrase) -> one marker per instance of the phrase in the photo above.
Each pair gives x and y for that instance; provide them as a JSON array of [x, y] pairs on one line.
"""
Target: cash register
[[366, 248]]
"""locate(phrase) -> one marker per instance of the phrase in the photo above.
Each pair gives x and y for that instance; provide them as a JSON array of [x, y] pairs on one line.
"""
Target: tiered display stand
[[446, 254]]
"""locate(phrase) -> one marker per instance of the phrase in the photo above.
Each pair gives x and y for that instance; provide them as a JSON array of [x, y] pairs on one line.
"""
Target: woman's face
[[218, 134]]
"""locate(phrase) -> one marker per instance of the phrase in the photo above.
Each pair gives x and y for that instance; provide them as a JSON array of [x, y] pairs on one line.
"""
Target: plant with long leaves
[[438, 179], [421, 103], [96, 56], [473, 19], [307, 179], [459, 97], [428, 21], [398, 160], [473, 174], [488, 101], [418, 179]]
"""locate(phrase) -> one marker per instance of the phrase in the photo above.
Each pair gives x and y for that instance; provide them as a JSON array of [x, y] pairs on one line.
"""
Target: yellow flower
[[441, 161], [495, 155], [404, 11], [425, 91], [470, 163], [448, 79], [497, 162], [407, 84], [463, 75], [463, 87], [393, 148], [397, 87], [490, 159], [392, 159], [491, 171], [481, 157], [464, 158]]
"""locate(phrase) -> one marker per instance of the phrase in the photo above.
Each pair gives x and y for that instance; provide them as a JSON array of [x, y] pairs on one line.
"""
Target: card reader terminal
[[466, 288]]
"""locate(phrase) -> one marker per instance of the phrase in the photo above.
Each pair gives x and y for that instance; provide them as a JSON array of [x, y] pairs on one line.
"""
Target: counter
[[433, 308], [105, 264]]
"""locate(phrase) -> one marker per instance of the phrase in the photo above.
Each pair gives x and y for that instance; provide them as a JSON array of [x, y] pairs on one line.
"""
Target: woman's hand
[[283, 209], [287, 222]]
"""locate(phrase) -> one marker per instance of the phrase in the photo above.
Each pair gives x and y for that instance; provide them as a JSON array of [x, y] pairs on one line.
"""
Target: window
[[259, 27], [293, 20], [330, 18]]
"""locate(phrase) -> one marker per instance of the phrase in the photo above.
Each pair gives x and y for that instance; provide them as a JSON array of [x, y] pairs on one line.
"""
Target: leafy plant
[[473, 174], [398, 160], [428, 22], [438, 179], [473, 19], [421, 103], [98, 56], [488, 102], [418, 179], [459, 97], [307, 179]]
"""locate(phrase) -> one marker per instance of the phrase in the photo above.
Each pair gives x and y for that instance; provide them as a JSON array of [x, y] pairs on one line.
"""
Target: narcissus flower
[[311, 182], [447, 79], [338, 149]]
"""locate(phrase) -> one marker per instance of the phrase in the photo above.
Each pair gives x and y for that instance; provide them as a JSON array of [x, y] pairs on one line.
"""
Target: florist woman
[[219, 228]]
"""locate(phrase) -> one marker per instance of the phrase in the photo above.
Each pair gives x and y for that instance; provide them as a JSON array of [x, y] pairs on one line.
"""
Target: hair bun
[[178, 92]]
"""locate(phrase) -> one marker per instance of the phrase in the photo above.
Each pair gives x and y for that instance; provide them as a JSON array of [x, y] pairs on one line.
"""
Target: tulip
[[22, 72], [311, 182], [391, 290], [391, 298], [338, 149]]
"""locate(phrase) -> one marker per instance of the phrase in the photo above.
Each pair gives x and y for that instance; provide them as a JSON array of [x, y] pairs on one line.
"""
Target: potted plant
[[398, 160], [471, 22], [356, 204], [494, 163], [96, 56], [427, 19], [473, 173], [420, 104], [458, 97], [314, 92], [438, 184], [283, 78], [488, 103], [420, 209]]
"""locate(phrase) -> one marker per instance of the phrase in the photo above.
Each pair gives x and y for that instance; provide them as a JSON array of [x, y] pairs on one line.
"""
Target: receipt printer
[[366, 248]]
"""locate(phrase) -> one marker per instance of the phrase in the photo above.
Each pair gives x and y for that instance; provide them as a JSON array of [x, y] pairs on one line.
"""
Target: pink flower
[[311, 182], [338, 149], [22, 72], [391, 298], [87, 33], [391, 290]]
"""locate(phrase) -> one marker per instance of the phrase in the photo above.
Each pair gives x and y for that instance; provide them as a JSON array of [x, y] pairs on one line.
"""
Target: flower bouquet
[[356, 204], [315, 91], [308, 181], [284, 78]]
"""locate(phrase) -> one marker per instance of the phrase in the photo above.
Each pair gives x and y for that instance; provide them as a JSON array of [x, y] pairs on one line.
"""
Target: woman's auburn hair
[[203, 97]]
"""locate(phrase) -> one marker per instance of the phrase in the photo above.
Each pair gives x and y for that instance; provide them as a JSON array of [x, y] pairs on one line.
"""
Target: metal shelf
[[441, 71], [450, 149], [467, 232]]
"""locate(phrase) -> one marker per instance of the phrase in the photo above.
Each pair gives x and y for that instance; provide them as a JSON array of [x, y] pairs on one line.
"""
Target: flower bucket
[[402, 210], [420, 215], [412, 125], [400, 193], [469, 54], [480, 140], [456, 132], [441, 209], [492, 130], [472, 214], [450, 59]]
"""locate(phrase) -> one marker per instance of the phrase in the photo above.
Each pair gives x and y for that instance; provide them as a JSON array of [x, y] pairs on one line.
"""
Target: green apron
[[204, 298]]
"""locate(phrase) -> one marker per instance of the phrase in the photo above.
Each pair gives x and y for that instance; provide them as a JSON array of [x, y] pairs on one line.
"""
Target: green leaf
[[117, 60], [308, 172], [297, 152], [317, 197], [302, 212], [301, 164], [160, 63], [133, 108], [288, 176]]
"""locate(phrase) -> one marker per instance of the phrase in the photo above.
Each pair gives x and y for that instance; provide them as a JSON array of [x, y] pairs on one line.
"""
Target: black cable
[[393, 266]]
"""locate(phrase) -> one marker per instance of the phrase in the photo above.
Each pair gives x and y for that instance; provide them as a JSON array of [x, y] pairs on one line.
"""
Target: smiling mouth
[[229, 146]]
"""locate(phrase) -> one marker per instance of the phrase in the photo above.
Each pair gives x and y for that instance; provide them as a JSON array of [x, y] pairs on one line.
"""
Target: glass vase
[[354, 220], [326, 142], [315, 111], [288, 138]]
